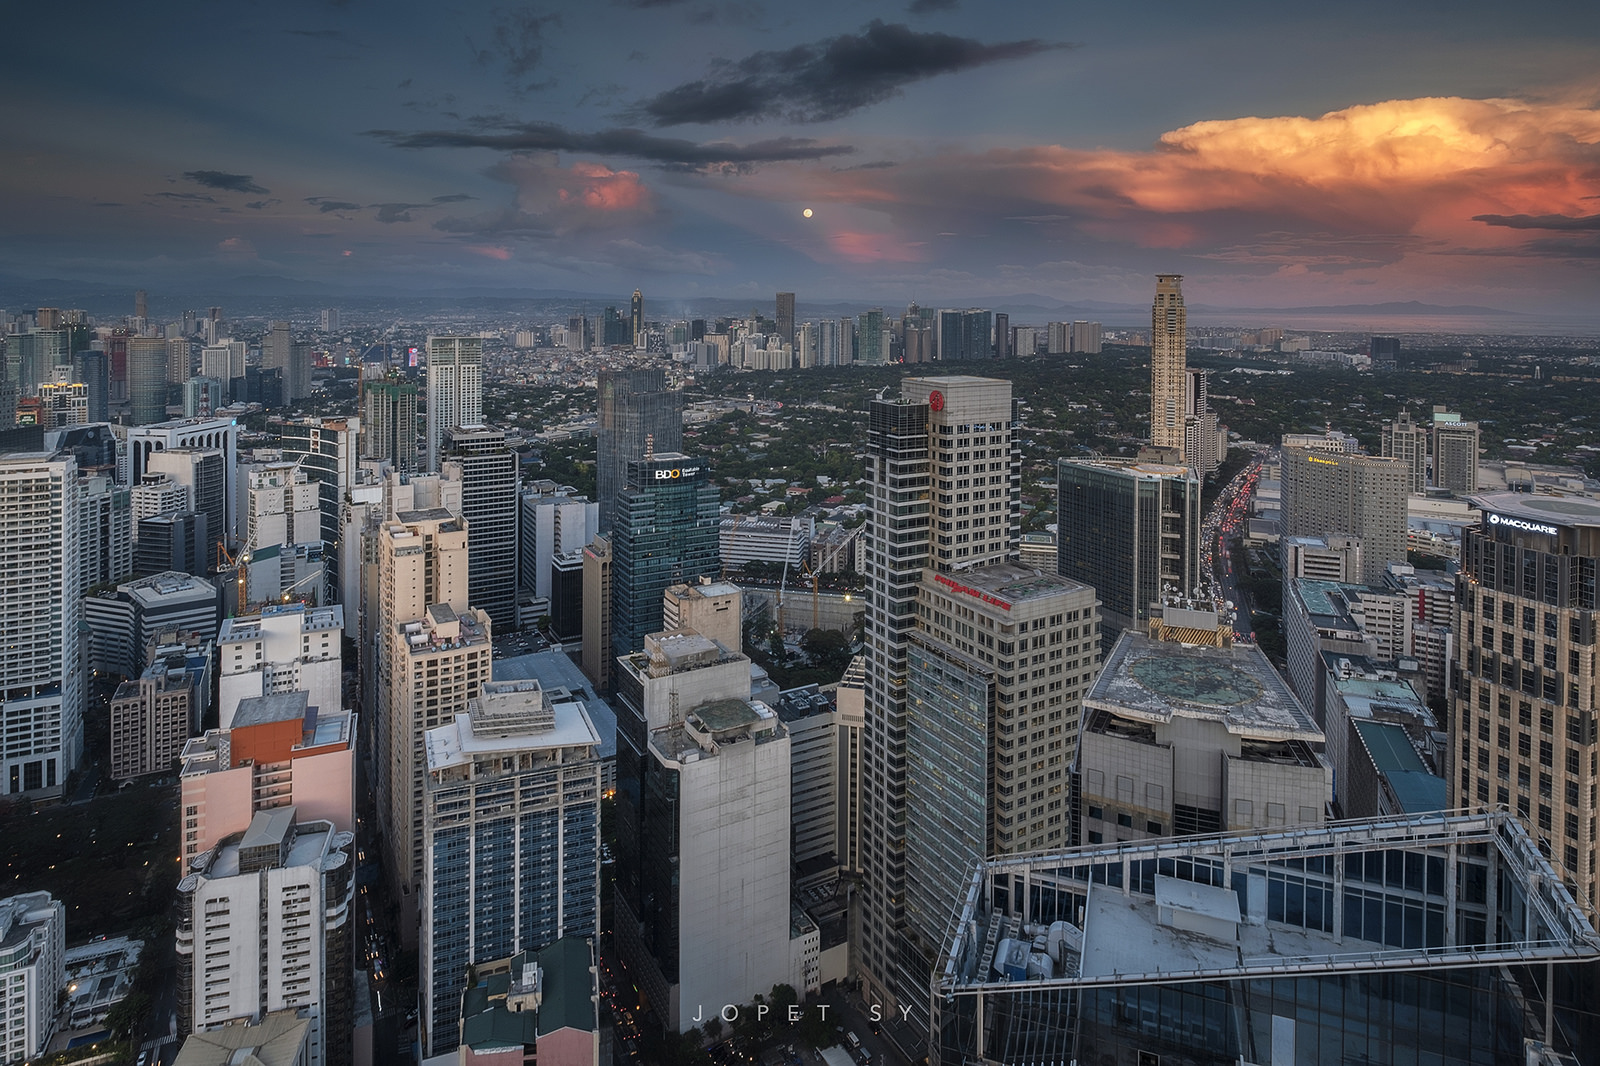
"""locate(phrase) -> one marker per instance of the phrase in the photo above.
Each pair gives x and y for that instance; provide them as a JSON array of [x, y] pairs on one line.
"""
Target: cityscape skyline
[[944, 154]]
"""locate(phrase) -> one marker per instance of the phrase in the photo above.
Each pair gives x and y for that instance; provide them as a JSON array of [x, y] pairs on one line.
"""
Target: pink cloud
[[490, 251], [858, 247]]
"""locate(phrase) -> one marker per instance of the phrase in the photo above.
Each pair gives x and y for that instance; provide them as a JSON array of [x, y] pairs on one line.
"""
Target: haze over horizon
[[948, 151]]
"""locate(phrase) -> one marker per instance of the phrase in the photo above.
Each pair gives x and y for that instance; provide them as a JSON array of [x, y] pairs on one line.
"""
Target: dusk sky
[[949, 150]]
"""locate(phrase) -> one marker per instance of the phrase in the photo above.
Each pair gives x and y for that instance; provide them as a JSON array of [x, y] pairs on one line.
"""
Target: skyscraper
[[1524, 703], [512, 836], [455, 389], [786, 317], [147, 379], [89, 367], [1168, 361], [869, 337], [636, 318], [1131, 530], [1359, 495], [41, 672], [389, 423], [944, 492], [1406, 440], [293, 361], [962, 336], [1002, 336], [486, 466], [665, 533], [1456, 447], [637, 412]]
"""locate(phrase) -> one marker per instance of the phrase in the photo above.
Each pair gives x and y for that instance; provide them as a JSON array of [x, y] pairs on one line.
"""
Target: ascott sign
[[677, 472], [970, 591], [1522, 524]]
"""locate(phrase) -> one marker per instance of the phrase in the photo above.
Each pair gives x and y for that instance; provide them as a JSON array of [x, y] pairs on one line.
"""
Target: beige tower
[[1168, 384]]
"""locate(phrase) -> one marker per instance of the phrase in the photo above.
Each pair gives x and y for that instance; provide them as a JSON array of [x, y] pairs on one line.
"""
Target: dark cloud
[[635, 144], [220, 179], [453, 198], [397, 212], [928, 7], [187, 197], [258, 205], [1552, 222], [827, 79], [325, 205], [516, 39]]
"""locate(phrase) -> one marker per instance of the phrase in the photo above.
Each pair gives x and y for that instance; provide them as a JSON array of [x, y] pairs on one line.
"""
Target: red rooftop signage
[[970, 591]]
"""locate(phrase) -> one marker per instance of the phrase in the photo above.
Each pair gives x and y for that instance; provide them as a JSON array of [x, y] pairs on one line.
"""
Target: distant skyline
[[949, 150]]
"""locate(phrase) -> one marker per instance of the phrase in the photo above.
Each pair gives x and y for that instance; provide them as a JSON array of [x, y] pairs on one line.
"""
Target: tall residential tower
[[1168, 361]]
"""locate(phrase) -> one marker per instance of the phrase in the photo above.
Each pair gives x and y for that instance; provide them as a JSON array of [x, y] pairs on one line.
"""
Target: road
[[1228, 518]]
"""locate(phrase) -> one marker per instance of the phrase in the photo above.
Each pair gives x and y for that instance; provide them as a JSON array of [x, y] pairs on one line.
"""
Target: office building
[[195, 434], [785, 318], [1406, 440], [636, 320], [202, 395], [566, 597], [714, 609], [639, 414], [152, 718], [962, 336], [486, 466], [1131, 530], [989, 742], [783, 542], [703, 827], [537, 1006], [1181, 739], [433, 657], [63, 403], [202, 472], [32, 973], [147, 379], [266, 923], [286, 647], [328, 450], [106, 551], [1457, 446], [597, 656], [511, 837], [180, 360], [330, 320], [553, 525], [169, 602], [1169, 325], [944, 491], [283, 506], [455, 389], [1205, 440], [1331, 618], [176, 541], [1385, 351], [42, 675], [279, 749], [1341, 493], [291, 360], [664, 533], [1524, 700], [224, 361], [89, 367], [1417, 939], [389, 423], [1330, 558], [869, 332]]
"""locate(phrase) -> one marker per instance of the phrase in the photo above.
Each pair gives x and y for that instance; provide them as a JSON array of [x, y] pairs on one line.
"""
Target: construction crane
[[240, 565]]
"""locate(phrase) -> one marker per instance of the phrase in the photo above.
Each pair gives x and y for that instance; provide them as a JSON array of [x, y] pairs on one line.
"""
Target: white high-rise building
[[284, 507], [286, 648], [264, 924], [42, 673], [455, 388], [221, 434], [1168, 361], [33, 973]]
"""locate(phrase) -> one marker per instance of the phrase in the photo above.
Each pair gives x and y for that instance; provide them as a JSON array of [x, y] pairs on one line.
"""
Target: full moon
[[806, 213]]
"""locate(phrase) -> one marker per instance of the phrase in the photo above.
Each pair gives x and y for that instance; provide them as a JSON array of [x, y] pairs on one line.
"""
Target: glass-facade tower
[[665, 533]]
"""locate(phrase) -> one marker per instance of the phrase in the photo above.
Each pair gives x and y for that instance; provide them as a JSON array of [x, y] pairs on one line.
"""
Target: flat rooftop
[[719, 716], [1008, 583], [1544, 510], [455, 744], [1156, 681], [555, 670], [277, 707]]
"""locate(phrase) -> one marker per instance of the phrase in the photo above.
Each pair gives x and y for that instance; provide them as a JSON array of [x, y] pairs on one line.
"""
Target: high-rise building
[[1385, 351], [180, 360], [33, 973], [1523, 709], [665, 533], [455, 389], [330, 320], [287, 647], [434, 656], [1456, 447], [962, 336], [279, 749], [389, 423], [511, 815], [266, 922], [1084, 337], [89, 369], [702, 892], [552, 525], [638, 414], [944, 491], [1168, 361], [1002, 336], [636, 319], [1406, 440], [1131, 530], [785, 317], [147, 379], [990, 745], [280, 352], [175, 540], [282, 507], [598, 659], [869, 337], [42, 674], [152, 717], [203, 472], [221, 434], [1327, 493], [328, 450], [486, 466]]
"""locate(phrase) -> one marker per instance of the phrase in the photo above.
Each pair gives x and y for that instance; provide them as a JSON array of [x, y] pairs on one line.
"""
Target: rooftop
[[1155, 681], [278, 707], [1419, 790], [458, 743], [1007, 585], [278, 1039], [1540, 510], [555, 671]]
